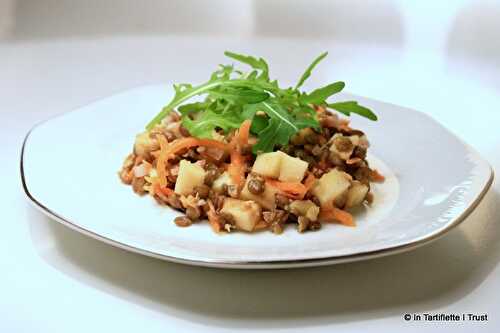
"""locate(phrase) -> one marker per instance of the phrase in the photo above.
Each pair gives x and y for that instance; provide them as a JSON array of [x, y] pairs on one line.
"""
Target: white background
[[442, 59]]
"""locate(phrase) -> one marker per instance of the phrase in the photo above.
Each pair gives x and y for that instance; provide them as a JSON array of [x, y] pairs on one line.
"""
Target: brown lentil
[[316, 201], [256, 186], [314, 225], [183, 221], [211, 175], [183, 131], [193, 212], [312, 138], [360, 152], [227, 218], [246, 149], [317, 150], [232, 191], [202, 190], [281, 201], [343, 144], [303, 223], [277, 228], [138, 185], [363, 175]]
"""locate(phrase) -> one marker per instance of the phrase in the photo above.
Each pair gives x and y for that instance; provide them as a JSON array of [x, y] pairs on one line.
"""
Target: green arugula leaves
[[309, 69], [232, 96]]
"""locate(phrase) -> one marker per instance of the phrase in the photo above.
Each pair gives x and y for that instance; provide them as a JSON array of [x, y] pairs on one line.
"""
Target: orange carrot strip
[[213, 219], [212, 143], [244, 132], [161, 163], [168, 150], [335, 214], [236, 169], [260, 226], [289, 189], [375, 176], [309, 182], [157, 188]]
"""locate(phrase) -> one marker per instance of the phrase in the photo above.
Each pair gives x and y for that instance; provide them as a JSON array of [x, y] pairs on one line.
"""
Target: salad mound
[[252, 155]]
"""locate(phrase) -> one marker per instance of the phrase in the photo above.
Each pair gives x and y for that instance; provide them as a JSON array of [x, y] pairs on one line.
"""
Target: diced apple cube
[[343, 146], [331, 185], [305, 208], [246, 214], [143, 144], [266, 199], [292, 169], [268, 164], [223, 179], [356, 194], [190, 175]]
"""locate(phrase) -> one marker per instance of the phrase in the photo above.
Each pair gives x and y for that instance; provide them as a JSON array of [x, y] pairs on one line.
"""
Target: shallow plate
[[69, 170]]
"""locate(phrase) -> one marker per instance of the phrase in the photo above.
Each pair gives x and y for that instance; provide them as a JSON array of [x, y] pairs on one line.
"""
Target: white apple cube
[[331, 185], [246, 214], [356, 194], [292, 169], [190, 175], [268, 164], [266, 199]]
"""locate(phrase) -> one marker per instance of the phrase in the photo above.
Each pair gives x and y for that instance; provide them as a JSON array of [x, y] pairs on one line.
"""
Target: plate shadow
[[428, 277]]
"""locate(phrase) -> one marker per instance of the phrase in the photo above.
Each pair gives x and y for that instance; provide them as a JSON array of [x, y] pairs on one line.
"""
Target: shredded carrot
[[376, 176], [260, 225], [289, 189], [353, 160], [334, 214], [164, 190], [236, 169], [244, 132], [168, 150], [161, 163], [213, 219], [212, 143]]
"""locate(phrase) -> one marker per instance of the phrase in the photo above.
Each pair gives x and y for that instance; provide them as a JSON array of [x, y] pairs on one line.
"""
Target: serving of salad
[[246, 154]]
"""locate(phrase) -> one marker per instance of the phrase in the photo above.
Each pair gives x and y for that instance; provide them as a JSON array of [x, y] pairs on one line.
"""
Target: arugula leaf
[[279, 129], [353, 107], [184, 93], [309, 69], [232, 96], [259, 123], [240, 96], [259, 64], [208, 121], [193, 107], [320, 95], [281, 125]]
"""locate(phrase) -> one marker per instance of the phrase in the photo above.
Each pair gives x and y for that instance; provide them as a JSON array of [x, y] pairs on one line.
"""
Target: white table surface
[[56, 280]]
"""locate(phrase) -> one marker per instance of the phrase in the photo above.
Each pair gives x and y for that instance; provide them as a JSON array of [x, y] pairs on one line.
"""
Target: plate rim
[[272, 264]]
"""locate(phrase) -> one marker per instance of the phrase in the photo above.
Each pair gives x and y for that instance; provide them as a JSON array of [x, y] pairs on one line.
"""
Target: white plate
[[69, 170]]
